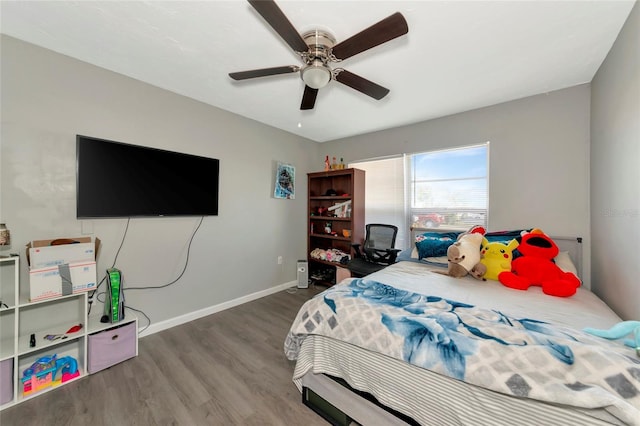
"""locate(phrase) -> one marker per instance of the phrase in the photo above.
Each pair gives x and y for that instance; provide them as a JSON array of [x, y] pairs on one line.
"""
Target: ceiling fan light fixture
[[317, 48], [316, 75]]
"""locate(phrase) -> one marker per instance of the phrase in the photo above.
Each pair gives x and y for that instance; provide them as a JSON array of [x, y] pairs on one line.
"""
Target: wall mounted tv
[[115, 179]]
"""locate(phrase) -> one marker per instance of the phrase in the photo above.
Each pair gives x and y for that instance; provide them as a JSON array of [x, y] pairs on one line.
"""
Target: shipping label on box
[[46, 257], [46, 283]]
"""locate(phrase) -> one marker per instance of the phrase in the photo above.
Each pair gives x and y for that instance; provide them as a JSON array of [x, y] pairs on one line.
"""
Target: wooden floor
[[225, 369]]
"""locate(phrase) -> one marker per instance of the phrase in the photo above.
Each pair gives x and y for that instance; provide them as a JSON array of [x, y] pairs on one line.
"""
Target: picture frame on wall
[[285, 182]]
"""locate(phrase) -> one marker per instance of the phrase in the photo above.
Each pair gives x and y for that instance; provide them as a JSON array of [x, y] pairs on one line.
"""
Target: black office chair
[[378, 251]]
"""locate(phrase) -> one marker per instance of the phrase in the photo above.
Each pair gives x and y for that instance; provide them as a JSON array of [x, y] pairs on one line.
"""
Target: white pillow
[[564, 262]]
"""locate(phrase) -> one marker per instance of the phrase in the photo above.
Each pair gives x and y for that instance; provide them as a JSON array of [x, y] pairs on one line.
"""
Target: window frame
[[407, 223]]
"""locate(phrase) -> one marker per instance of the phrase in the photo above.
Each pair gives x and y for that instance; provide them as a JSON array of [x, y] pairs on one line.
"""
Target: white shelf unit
[[21, 318]]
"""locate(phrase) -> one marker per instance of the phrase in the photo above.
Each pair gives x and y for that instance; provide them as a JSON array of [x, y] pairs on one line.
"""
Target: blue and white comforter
[[522, 357]]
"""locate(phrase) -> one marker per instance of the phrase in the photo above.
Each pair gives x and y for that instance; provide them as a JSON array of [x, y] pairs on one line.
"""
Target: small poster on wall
[[285, 181]]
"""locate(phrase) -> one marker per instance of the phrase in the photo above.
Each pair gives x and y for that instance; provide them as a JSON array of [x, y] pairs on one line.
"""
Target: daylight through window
[[438, 189]]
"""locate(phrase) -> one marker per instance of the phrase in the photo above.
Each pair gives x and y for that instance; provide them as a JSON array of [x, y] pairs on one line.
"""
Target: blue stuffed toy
[[620, 330]]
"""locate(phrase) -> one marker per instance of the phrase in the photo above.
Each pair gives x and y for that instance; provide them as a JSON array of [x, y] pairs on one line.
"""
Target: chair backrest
[[379, 237]]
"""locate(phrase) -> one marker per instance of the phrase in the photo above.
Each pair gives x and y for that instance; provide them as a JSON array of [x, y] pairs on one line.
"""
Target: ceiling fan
[[317, 48]]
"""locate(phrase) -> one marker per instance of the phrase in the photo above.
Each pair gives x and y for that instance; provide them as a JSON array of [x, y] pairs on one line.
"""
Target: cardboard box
[[46, 283], [61, 267], [46, 257], [48, 253]]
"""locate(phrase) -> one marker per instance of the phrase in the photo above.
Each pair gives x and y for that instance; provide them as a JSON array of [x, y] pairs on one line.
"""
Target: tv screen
[[120, 180]]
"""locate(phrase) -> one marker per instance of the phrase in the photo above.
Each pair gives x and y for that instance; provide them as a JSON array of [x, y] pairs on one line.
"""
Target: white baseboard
[[163, 325]]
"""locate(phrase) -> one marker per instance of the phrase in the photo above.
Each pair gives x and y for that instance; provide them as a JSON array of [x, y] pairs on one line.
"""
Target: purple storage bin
[[110, 347], [6, 381]]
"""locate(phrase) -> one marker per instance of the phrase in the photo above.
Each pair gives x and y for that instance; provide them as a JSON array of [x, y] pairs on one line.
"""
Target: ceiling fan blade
[[385, 30], [309, 98], [361, 84], [243, 75], [279, 22]]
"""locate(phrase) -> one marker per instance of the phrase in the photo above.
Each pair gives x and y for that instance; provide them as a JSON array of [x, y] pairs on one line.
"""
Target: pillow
[[440, 260], [435, 244], [505, 237], [414, 253], [564, 262]]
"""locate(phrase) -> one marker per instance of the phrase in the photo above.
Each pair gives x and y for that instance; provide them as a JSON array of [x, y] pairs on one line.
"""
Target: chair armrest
[[381, 256], [393, 254], [356, 249]]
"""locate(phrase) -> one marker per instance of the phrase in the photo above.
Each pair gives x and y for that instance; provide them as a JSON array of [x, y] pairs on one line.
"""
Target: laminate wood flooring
[[228, 368]]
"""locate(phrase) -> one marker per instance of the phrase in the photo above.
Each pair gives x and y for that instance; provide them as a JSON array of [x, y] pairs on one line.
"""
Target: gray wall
[[48, 98], [539, 158], [615, 174]]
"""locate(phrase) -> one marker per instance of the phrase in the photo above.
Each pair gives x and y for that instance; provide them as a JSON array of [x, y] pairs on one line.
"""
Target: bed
[[406, 345]]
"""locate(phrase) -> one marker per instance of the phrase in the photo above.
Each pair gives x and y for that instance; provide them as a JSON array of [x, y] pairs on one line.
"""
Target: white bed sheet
[[584, 309]]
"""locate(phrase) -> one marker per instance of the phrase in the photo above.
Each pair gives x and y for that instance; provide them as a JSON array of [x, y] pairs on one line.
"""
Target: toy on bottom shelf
[[44, 373]]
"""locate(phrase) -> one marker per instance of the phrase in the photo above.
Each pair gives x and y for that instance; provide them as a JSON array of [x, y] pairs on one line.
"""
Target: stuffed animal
[[536, 267], [620, 330], [496, 257], [463, 257]]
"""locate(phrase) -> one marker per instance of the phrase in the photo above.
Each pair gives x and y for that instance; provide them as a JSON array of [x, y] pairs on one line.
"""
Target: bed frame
[[341, 405]]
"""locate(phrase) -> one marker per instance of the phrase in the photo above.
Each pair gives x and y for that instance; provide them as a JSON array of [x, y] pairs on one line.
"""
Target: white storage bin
[[111, 346], [6, 381]]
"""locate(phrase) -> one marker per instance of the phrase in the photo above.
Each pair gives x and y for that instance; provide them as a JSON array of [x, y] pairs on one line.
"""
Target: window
[[438, 189]]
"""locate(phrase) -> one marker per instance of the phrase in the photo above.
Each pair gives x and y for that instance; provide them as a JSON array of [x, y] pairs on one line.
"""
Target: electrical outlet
[[279, 260]]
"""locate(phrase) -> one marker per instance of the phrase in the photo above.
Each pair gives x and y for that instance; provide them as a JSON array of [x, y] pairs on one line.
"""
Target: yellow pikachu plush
[[496, 256]]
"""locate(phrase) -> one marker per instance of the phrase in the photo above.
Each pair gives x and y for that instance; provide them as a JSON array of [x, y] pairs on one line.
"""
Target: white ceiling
[[457, 56]]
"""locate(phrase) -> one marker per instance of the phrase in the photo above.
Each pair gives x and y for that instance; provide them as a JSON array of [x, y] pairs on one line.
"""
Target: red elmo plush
[[535, 267]]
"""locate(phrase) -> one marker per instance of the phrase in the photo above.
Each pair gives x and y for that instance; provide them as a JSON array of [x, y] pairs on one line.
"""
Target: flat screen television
[[115, 179]]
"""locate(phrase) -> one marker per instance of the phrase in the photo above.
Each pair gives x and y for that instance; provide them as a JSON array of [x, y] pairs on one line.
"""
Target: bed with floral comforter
[[522, 356]]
